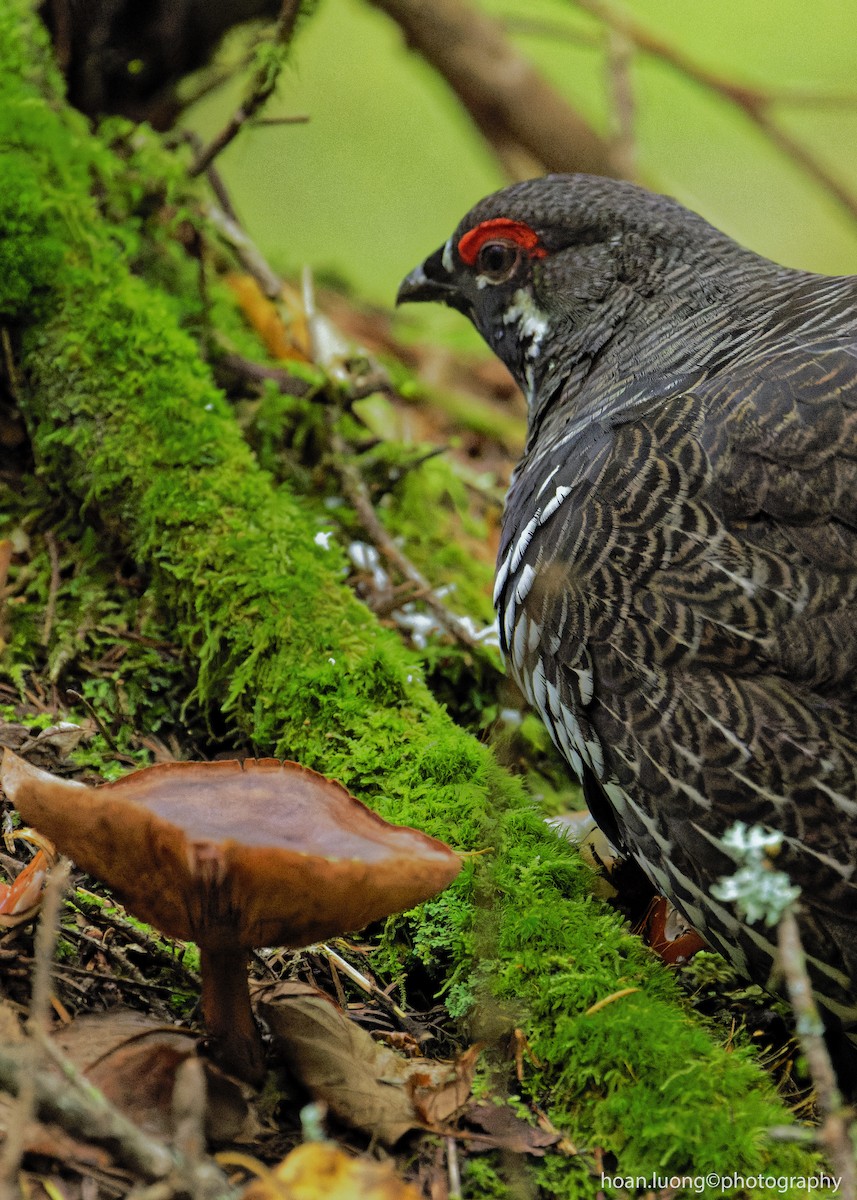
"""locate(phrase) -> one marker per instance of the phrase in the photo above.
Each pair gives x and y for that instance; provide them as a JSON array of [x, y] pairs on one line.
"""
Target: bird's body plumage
[[677, 577]]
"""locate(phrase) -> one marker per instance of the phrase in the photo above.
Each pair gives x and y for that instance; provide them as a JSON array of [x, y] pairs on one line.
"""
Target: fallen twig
[[40, 1007], [97, 912], [835, 1132], [363, 982], [255, 372], [72, 1102]]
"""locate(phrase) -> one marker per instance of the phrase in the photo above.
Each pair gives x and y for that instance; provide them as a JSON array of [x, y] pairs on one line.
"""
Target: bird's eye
[[497, 260]]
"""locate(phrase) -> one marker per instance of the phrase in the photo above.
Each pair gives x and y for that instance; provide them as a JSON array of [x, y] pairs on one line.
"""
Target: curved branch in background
[[264, 84], [528, 124], [755, 103]]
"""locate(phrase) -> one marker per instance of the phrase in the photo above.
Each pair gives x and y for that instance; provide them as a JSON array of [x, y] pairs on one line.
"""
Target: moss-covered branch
[[127, 425]]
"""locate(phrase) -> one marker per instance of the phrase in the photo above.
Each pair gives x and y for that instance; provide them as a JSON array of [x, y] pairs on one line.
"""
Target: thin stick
[[40, 1008], [510, 102], [453, 1169], [358, 496], [753, 102], [51, 606], [109, 916], [246, 251], [362, 981], [620, 57], [45, 945], [289, 385], [93, 712], [264, 86], [78, 1107], [9, 363], [67, 969], [834, 1134]]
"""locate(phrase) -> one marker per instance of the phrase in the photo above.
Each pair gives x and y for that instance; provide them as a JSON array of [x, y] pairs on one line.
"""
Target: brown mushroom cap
[[259, 853]]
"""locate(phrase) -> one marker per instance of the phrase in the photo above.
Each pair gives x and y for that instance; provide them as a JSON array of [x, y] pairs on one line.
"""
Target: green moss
[[105, 639], [482, 1181], [127, 426]]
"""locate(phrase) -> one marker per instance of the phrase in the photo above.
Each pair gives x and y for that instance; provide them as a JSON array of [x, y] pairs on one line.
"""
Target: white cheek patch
[[446, 257], [531, 321]]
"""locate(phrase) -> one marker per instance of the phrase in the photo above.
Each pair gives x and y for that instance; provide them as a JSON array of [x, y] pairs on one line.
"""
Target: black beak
[[429, 281]]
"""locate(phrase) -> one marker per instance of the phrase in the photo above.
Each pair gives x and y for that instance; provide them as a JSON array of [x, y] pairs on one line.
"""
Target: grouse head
[[549, 269]]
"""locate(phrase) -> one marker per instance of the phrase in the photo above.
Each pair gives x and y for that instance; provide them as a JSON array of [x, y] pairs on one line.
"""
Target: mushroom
[[234, 856]]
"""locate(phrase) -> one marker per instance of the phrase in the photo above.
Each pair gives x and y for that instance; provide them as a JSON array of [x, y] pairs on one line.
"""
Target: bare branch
[[620, 57], [512, 105], [754, 103], [263, 87], [246, 251], [834, 1134], [79, 1108]]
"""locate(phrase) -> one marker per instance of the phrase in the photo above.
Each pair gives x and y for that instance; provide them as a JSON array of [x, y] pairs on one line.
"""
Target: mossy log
[[128, 427]]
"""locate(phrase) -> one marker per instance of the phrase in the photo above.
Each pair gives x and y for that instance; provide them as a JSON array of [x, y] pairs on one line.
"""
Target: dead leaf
[[503, 1129], [62, 738], [134, 1059], [20, 900], [404, 1043], [47, 1140], [363, 1082], [321, 1171], [668, 932], [437, 1094]]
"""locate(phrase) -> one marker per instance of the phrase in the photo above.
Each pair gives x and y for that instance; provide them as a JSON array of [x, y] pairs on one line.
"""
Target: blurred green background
[[388, 162]]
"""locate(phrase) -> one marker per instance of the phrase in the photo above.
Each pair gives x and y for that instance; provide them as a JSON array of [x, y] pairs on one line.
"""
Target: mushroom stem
[[228, 1013]]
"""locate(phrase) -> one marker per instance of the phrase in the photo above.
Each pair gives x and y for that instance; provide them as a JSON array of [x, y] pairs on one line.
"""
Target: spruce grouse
[[677, 578]]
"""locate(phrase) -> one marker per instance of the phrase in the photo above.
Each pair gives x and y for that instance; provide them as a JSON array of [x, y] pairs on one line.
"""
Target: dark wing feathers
[[694, 600]]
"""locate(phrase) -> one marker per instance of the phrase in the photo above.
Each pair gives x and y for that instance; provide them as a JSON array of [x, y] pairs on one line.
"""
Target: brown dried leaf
[[437, 1093], [21, 899], [134, 1059], [363, 1082], [47, 1140], [502, 1129]]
